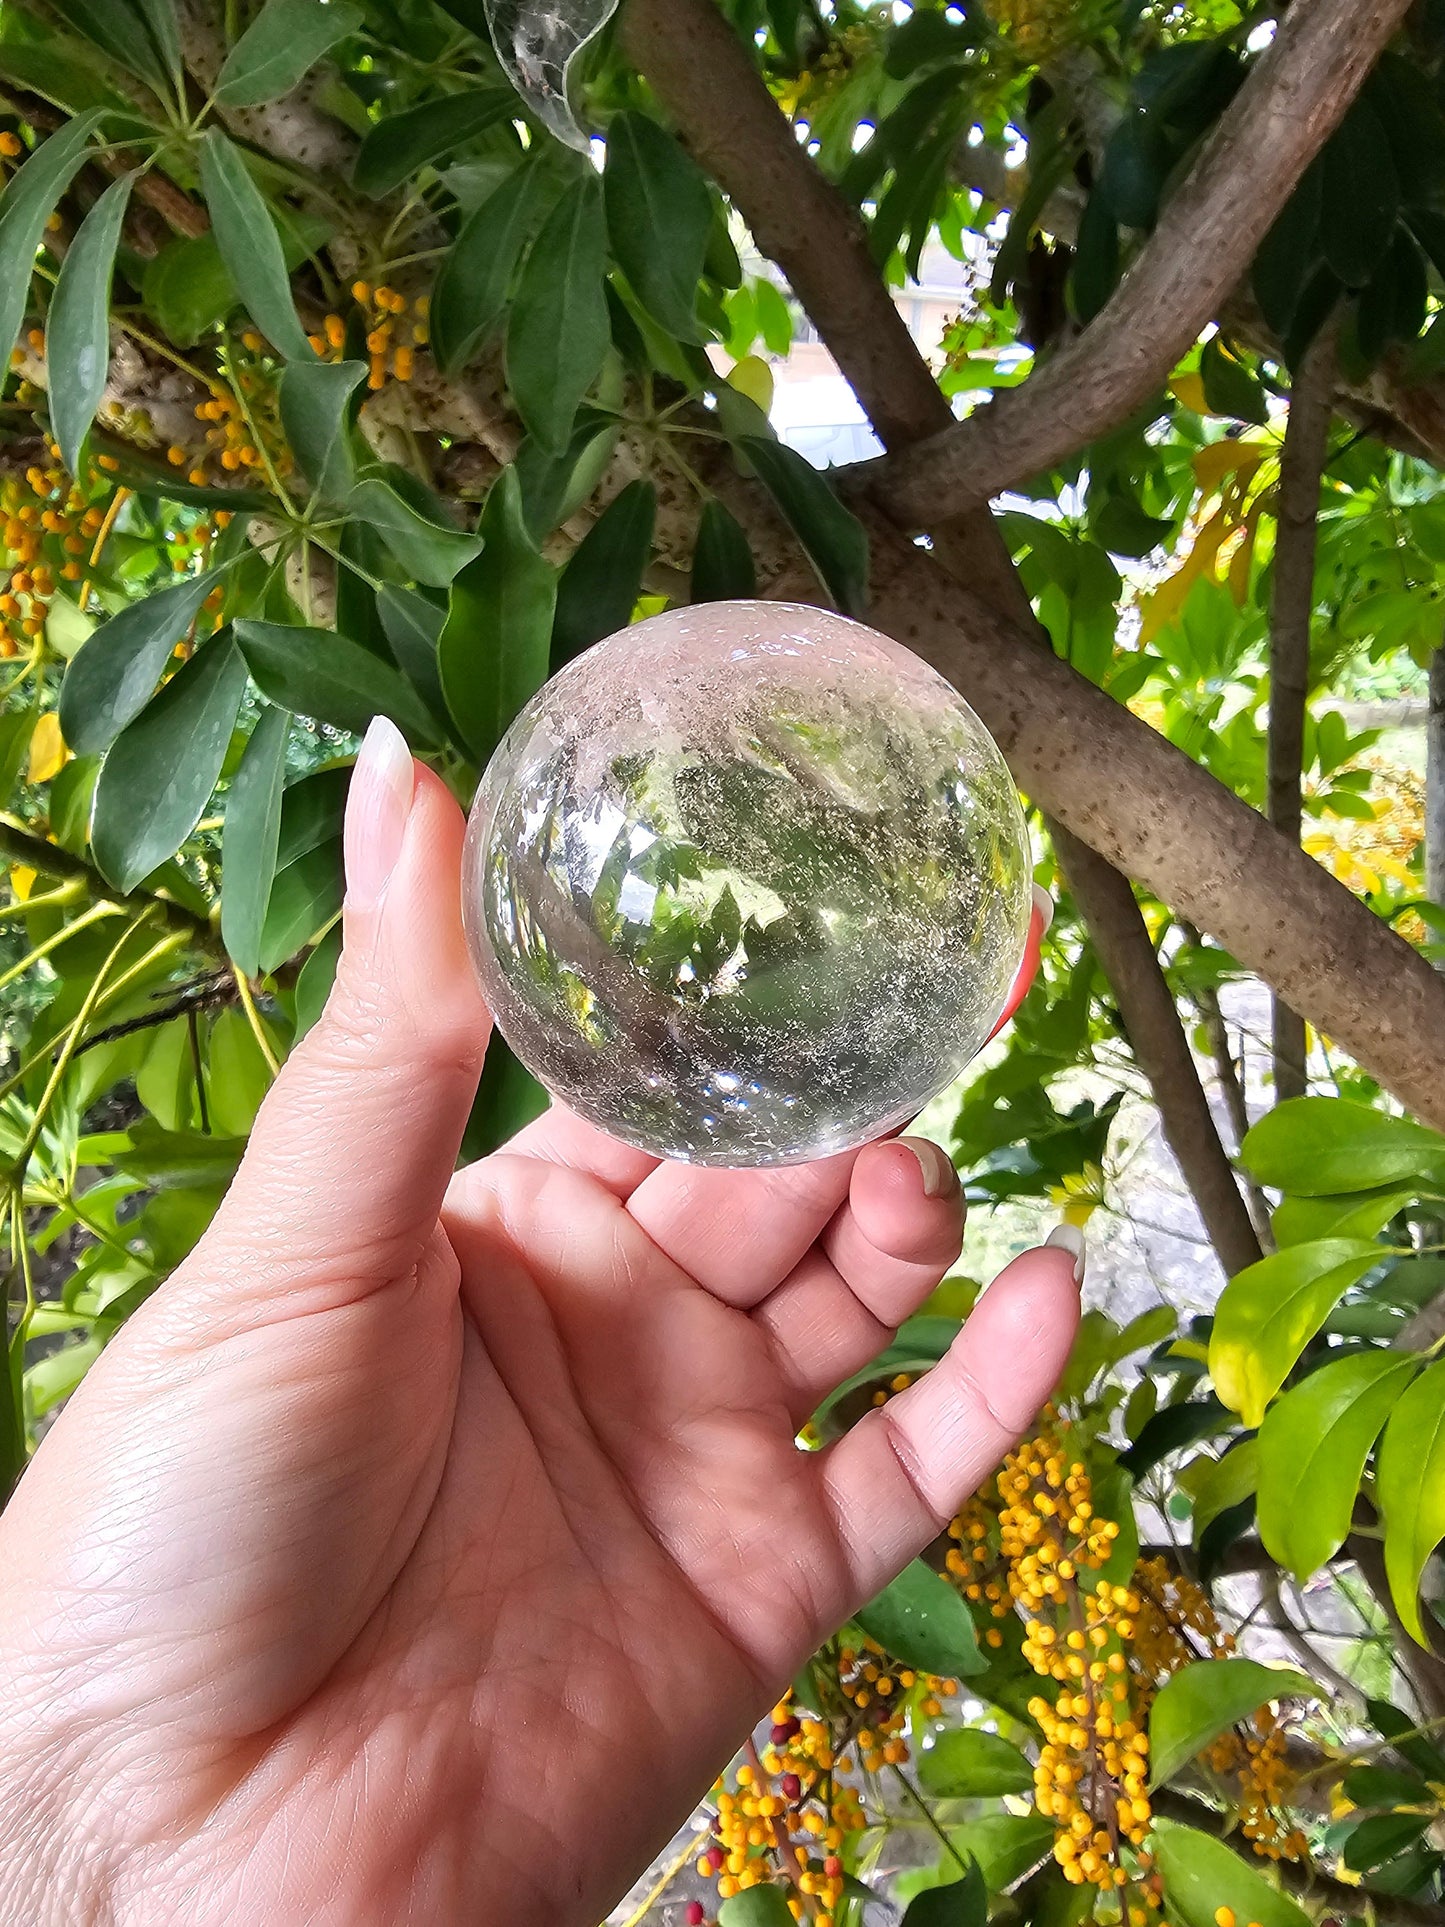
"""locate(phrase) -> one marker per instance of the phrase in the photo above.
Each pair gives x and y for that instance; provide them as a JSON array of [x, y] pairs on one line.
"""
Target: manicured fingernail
[[1069, 1237], [383, 784], [939, 1177], [1043, 908]]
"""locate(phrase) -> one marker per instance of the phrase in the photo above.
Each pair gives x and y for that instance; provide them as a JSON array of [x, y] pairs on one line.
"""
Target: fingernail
[[1044, 906], [939, 1176], [383, 784], [1070, 1238]]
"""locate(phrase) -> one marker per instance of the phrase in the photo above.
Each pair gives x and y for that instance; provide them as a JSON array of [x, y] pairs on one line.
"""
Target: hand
[[426, 1545]]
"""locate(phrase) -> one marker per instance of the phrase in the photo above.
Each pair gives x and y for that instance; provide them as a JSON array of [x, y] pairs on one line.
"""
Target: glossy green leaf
[[252, 833], [1288, 254], [1405, 1738], [237, 1075], [921, 1621], [968, 1764], [397, 147], [1003, 1846], [77, 336], [250, 245], [600, 585], [1380, 1839], [111, 677], [1201, 1875], [508, 1098], [1320, 1146], [314, 398], [1223, 1483], [305, 898], [426, 543], [659, 217], [330, 678], [1356, 1214], [115, 26], [476, 277], [1410, 1489], [1203, 1700], [960, 1903], [558, 330], [1312, 1451], [1269, 1312], [160, 771], [313, 985], [1361, 195], [282, 43], [1171, 1430], [493, 651], [1376, 1786], [831, 535], [413, 628], [1229, 387], [25, 206], [723, 569], [762, 1906]]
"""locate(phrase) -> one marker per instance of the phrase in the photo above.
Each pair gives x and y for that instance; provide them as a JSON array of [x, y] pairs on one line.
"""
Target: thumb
[[353, 1147]]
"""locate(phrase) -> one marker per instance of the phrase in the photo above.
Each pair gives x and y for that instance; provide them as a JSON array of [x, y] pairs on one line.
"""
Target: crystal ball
[[746, 884]]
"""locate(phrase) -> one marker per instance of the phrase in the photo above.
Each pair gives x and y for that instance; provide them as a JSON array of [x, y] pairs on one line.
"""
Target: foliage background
[[359, 366]]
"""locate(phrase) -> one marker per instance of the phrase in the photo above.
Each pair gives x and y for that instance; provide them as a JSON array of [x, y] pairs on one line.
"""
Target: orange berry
[[11, 145], [361, 291]]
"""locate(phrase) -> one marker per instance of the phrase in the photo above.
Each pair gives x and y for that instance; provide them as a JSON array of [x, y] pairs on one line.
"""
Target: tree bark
[[1301, 470], [1160, 1047], [1205, 239], [1435, 784]]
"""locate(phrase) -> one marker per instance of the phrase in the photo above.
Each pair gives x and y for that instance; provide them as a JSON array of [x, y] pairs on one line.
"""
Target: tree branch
[[1154, 1034], [1292, 603], [20, 846], [1206, 238]]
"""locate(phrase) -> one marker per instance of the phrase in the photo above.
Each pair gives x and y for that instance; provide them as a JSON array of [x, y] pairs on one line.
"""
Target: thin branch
[[18, 845], [1206, 238], [1291, 612]]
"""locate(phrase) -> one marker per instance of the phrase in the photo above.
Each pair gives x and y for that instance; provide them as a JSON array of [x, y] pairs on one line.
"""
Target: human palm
[[422, 1550]]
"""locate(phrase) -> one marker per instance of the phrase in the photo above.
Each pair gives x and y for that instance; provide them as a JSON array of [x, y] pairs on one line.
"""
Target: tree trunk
[[1301, 469], [1435, 785]]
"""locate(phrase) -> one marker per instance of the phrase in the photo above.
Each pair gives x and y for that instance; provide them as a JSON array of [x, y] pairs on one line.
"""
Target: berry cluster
[[243, 429], [395, 327]]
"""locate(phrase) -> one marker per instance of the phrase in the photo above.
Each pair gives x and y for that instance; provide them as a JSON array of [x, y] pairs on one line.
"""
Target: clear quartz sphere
[[746, 884]]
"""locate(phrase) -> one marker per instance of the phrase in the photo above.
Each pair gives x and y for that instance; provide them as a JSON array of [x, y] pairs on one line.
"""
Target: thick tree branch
[[1206, 238], [1292, 602], [1151, 1024]]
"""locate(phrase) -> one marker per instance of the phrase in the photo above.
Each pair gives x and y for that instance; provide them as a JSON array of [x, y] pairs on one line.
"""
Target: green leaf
[[1312, 1451], [1136, 165], [831, 535], [313, 986], [237, 1075], [25, 207], [112, 25], [1358, 1214], [1169, 1431], [558, 330], [1223, 1483], [923, 1622], [476, 277], [111, 676], [160, 771], [1201, 1875], [1361, 191], [188, 287], [1318, 1146], [762, 1906], [603, 578], [1096, 259], [723, 569], [413, 627], [283, 42], [397, 147], [1229, 387], [507, 1098], [1270, 1311], [160, 18], [1377, 1840], [305, 897], [425, 542], [1410, 1489], [250, 245], [1402, 1733], [1377, 1786], [1004, 1846], [659, 217], [968, 1764], [1288, 253], [77, 336], [314, 398], [1202, 1701], [962, 1903], [330, 678], [252, 833], [493, 651]]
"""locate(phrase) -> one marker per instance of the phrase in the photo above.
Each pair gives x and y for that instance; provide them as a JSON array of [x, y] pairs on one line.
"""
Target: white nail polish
[[1044, 904], [939, 1176], [1070, 1238]]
